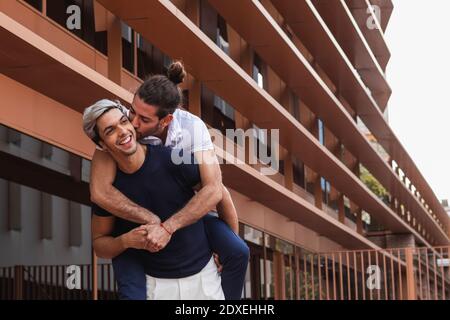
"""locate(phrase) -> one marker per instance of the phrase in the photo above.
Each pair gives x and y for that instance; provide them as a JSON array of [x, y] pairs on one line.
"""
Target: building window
[[269, 292], [262, 147], [37, 4], [253, 235], [258, 76], [347, 210], [254, 280], [222, 35], [295, 110], [247, 292], [127, 47], [57, 11], [150, 60], [144, 57], [258, 71], [326, 188], [216, 111], [224, 108], [222, 42], [299, 172], [288, 278], [260, 135], [47, 161], [269, 284], [287, 251], [321, 131], [208, 20]]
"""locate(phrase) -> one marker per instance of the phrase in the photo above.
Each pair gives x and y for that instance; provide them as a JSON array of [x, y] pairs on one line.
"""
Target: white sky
[[418, 35]]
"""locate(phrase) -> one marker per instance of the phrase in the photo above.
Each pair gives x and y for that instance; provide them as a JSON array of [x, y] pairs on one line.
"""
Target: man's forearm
[[108, 247], [113, 201], [196, 208], [227, 211]]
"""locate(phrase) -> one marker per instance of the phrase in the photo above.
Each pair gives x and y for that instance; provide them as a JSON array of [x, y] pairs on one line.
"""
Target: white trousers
[[205, 285]]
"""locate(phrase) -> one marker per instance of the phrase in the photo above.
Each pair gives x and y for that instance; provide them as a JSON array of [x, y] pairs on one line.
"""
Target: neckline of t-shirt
[[147, 156]]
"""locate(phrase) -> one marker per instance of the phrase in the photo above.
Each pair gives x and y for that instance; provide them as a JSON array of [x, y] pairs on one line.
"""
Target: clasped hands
[[152, 237]]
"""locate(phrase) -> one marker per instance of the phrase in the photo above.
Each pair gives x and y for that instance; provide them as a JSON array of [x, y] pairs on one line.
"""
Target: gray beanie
[[92, 113]]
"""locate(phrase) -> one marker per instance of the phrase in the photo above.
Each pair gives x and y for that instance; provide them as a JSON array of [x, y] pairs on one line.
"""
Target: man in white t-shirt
[[157, 119]]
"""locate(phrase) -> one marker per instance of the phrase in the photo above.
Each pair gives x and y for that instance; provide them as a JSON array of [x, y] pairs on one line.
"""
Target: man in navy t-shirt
[[184, 268]]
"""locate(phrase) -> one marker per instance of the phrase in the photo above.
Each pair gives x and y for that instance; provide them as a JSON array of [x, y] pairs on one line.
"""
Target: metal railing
[[54, 282], [390, 274]]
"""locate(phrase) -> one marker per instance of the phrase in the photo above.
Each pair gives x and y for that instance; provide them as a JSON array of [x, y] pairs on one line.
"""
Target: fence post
[[410, 279], [94, 276], [279, 280], [18, 282]]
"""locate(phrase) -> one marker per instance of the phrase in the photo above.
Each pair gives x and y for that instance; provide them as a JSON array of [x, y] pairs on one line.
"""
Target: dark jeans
[[130, 275], [233, 254]]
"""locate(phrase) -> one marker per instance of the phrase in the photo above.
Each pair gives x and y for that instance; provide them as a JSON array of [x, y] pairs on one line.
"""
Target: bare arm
[[208, 196], [108, 247], [227, 211], [104, 194]]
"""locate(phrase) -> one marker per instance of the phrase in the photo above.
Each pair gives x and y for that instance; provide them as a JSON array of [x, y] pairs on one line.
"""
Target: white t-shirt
[[186, 131]]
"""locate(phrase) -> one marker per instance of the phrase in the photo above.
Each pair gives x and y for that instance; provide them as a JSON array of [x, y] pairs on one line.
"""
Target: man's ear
[[103, 146], [167, 119]]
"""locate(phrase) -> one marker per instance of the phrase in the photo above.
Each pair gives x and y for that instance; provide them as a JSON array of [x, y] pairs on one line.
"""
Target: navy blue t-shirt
[[164, 188]]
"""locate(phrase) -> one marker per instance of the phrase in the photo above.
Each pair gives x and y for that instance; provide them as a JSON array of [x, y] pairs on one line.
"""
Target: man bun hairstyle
[[162, 91], [176, 72]]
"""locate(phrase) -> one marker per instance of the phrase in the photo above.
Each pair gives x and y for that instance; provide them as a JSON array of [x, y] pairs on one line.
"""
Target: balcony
[[272, 44], [344, 28]]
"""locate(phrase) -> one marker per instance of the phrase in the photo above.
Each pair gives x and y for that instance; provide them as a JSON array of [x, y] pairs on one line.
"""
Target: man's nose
[[135, 122], [122, 130]]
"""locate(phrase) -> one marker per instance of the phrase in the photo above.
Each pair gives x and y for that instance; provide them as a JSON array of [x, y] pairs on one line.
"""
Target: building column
[[194, 86], [242, 54], [318, 195], [195, 96], [114, 39], [288, 172], [359, 222], [279, 276], [192, 11], [340, 200], [341, 206], [392, 204]]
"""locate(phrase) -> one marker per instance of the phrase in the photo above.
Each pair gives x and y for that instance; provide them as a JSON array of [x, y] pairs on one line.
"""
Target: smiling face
[[116, 133], [145, 120]]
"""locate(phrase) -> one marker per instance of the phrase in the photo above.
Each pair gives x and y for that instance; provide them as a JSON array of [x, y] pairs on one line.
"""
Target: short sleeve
[[99, 211], [202, 138]]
